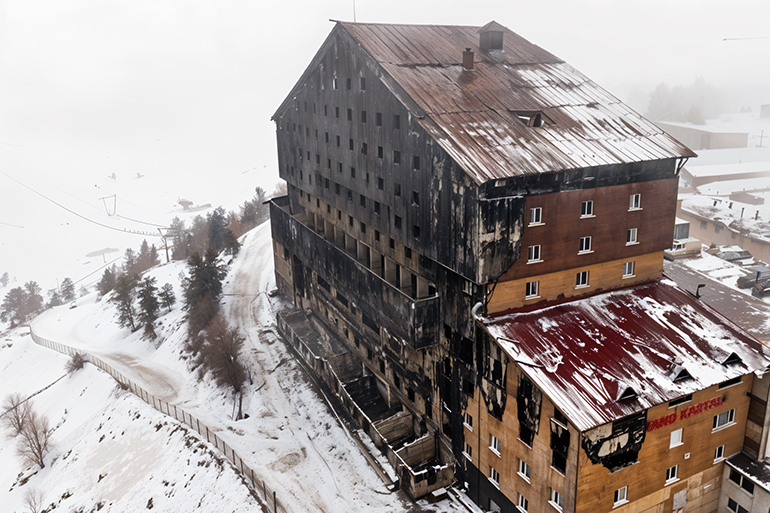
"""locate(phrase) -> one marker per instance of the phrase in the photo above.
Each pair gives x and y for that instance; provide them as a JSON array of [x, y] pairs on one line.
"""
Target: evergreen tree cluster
[[694, 103], [136, 299], [20, 303], [219, 230]]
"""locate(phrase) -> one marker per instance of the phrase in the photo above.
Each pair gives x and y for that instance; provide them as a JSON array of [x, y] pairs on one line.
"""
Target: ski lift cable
[[124, 230]]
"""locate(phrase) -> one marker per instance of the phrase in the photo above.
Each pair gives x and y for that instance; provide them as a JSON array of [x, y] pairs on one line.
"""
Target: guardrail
[[261, 491]]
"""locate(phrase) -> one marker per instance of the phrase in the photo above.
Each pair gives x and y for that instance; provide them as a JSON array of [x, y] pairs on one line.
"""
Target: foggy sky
[[186, 87]]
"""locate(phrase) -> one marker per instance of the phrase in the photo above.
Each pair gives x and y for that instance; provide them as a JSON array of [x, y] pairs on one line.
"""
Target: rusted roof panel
[[583, 354], [590, 126]]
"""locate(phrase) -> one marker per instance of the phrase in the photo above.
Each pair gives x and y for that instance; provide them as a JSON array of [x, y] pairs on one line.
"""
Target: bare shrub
[[15, 413], [77, 362], [33, 500], [35, 439], [221, 355]]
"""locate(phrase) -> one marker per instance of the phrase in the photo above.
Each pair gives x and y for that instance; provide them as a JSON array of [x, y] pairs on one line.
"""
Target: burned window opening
[[616, 445], [560, 439], [528, 400]]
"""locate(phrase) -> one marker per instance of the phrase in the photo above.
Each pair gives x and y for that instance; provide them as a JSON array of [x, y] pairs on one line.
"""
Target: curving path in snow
[[291, 439]]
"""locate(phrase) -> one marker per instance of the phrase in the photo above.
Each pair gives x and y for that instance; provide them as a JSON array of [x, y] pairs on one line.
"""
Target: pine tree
[[131, 263], [107, 283], [217, 224], [231, 244], [202, 289], [34, 299], [167, 297], [67, 290], [178, 235], [14, 307], [148, 306], [154, 260], [143, 258], [123, 297], [54, 298]]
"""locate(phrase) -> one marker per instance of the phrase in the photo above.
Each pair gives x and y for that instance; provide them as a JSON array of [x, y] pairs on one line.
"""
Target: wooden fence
[[263, 493]]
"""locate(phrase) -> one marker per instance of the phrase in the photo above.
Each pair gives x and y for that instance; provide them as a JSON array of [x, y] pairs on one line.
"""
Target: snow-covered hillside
[[292, 438]]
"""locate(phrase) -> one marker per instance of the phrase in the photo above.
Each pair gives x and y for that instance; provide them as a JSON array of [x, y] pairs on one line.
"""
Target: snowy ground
[[110, 449], [292, 439]]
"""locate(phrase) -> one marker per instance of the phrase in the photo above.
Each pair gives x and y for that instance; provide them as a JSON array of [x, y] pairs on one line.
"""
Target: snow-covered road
[[291, 438]]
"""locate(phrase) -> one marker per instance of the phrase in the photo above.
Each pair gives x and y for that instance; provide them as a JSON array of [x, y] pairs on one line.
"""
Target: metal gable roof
[[471, 113], [583, 354]]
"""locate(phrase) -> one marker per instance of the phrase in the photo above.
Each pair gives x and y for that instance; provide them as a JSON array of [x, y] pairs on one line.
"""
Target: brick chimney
[[468, 59]]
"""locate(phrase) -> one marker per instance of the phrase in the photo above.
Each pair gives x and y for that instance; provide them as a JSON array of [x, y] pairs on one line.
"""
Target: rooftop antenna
[[354, 11]]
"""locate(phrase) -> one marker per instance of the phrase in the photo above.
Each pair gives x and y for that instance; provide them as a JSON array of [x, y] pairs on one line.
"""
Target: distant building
[[482, 229], [704, 137]]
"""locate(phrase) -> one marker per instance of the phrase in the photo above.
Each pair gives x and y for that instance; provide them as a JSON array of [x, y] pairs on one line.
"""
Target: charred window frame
[[560, 439]]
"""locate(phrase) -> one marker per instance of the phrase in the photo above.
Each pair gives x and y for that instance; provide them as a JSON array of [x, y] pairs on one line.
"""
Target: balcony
[[414, 321]]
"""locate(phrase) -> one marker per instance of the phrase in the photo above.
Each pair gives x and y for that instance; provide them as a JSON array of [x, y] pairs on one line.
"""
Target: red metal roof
[[470, 113], [583, 354]]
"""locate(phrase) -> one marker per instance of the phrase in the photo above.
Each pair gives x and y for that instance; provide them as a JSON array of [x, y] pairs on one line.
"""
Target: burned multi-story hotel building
[[478, 230]]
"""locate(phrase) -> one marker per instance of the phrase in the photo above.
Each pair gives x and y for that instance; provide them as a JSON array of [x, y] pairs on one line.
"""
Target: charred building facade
[[441, 181]]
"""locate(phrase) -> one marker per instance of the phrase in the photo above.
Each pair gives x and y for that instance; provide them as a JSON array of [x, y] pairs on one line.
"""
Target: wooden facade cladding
[[561, 284], [562, 226], [357, 147], [698, 472], [538, 456]]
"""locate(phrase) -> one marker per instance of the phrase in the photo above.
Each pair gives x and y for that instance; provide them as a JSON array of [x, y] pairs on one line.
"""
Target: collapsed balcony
[[423, 463]]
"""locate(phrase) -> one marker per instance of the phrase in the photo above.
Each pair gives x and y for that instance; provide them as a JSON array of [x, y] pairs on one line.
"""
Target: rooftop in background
[[584, 354], [757, 470], [477, 115]]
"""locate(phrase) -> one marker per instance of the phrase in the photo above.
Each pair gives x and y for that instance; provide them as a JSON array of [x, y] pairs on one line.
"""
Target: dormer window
[[532, 118], [682, 375], [732, 359], [628, 393], [491, 36]]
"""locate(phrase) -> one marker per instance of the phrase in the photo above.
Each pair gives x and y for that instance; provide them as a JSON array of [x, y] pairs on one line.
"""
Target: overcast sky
[[186, 88]]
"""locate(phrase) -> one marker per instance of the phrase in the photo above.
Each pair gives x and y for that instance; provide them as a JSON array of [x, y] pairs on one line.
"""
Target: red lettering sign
[[686, 413]]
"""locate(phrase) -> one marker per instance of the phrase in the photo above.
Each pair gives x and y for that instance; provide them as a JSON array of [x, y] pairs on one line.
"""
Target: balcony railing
[[413, 320]]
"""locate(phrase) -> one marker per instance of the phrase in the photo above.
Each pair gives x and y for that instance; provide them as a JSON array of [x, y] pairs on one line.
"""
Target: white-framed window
[[493, 507], [581, 279], [557, 500], [468, 452], [635, 202], [468, 421], [494, 476], [335, 85], [525, 470], [585, 245], [621, 496], [628, 269], [719, 453], [533, 254], [631, 237], [533, 289], [587, 209], [734, 506], [494, 444], [676, 438], [536, 215], [672, 474], [724, 419], [522, 503], [742, 481]]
